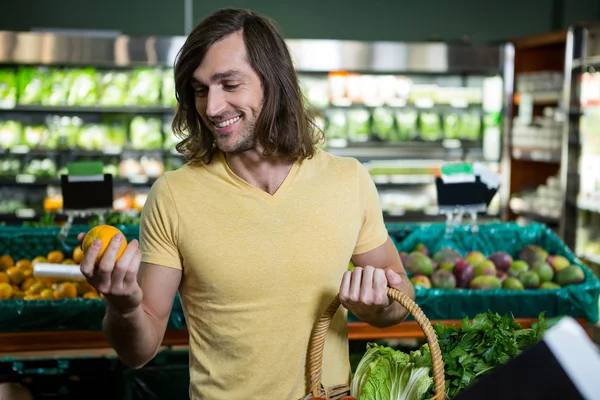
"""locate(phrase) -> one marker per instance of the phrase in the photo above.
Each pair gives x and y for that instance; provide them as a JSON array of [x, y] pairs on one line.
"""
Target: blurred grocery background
[[404, 87]]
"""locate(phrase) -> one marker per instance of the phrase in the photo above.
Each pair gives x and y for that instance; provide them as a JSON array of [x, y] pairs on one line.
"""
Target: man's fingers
[[132, 271], [393, 279], [345, 287], [89, 259], [355, 284], [80, 237], [117, 278], [112, 250]]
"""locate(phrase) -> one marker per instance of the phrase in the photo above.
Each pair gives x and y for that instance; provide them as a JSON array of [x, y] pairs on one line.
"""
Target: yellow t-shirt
[[259, 269]]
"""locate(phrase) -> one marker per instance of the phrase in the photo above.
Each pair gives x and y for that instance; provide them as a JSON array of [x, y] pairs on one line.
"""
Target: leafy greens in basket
[[469, 351]]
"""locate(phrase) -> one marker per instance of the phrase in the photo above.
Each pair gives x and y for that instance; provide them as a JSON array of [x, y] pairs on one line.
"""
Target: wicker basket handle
[[317, 342]]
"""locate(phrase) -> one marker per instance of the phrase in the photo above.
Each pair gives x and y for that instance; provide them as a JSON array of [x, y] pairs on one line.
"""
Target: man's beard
[[245, 143]]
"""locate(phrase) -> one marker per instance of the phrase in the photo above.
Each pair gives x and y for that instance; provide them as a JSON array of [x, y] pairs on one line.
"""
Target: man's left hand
[[364, 290]]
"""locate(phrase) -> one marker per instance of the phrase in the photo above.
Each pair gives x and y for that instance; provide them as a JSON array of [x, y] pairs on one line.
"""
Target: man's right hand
[[115, 279]]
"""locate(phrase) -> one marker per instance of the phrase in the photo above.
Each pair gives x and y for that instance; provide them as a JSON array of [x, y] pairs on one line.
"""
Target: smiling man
[[255, 231]]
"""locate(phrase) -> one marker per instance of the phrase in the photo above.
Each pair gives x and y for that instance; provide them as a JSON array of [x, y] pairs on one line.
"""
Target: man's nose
[[215, 103]]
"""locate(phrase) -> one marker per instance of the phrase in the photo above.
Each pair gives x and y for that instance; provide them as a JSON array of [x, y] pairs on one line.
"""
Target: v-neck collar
[[243, 184]]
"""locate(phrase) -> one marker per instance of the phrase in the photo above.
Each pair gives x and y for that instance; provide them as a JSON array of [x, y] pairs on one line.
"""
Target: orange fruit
[[18, 294], [55, 257], [38, 259], [91, 295], [27, 283], [6, 262], [36, 288], [47, 294], [16, 275], [83, 288], [77, 255], [68, 261], [105, 233], [23, 263], [27, 272], [6, 291], [4, 277], [65, 291], [32, 297]]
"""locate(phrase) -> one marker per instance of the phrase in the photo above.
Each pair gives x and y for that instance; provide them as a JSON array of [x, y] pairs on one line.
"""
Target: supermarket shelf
[[538, 155], [393, 181], [540, 99], [23, 342], [589, 206], [31, 180], [518, 207], [418, 216], [90, 109], [442, 149], [23, 151], [593, 258]]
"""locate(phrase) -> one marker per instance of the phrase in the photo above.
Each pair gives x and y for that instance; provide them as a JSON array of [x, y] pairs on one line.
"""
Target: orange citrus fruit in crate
[[16, 275], [6, 262], [77, 255], [6, 291], [55, 257], [4, 277], [105, 233]]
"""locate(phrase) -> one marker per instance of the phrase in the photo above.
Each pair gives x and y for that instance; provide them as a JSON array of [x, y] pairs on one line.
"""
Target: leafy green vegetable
[[476, 347], [384, 373]]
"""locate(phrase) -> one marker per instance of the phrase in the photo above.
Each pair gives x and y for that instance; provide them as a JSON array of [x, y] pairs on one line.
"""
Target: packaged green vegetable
[[383, 123], [168, 89], [144, 88], [10, 134], [113, 88], [93, 137], [30, 84], [84, 87], [406, 121], [452, 126], [145, 133], [8, 88], [429, 126], [359, 127], [471, 126], [56, 88]]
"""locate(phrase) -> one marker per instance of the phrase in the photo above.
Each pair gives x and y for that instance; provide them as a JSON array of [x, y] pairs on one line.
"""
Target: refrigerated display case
[[580, 179], [403, 109]]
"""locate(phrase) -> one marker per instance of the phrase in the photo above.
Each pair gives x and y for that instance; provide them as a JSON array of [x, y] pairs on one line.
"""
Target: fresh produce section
[[469, 350], [17, 281], [533, 268]]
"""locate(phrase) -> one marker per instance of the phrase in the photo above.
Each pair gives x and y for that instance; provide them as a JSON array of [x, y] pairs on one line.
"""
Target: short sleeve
[[373, 232], [158, 227]]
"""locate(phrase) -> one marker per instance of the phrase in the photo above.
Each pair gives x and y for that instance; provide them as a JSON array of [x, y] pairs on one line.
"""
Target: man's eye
[[200, 91], [230, 87]]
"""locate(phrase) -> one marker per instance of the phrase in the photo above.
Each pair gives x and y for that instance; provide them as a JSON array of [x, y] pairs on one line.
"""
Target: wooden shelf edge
[[64, 341], [411, 329], [545, 39]]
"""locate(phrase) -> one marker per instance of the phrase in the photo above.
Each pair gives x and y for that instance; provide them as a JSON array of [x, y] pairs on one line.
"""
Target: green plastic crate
[[578, 301], [53, 315]]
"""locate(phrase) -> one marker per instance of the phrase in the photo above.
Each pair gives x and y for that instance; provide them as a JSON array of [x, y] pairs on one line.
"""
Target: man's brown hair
[[284, 127]]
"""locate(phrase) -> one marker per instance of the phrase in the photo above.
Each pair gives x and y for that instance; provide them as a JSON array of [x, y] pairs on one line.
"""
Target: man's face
[[228, 94]]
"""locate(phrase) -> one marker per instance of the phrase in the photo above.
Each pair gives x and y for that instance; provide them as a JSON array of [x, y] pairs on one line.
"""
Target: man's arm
[[137, 335], [366, 297]]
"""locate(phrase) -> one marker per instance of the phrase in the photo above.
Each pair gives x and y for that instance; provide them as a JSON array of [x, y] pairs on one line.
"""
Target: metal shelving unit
[[426, 63], [581, 135]]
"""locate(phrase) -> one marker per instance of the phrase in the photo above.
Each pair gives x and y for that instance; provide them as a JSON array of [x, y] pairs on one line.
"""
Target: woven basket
[[317, 344]]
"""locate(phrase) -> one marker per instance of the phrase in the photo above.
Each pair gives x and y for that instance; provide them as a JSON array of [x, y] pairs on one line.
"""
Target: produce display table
[[54, 342], [71, 324]]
